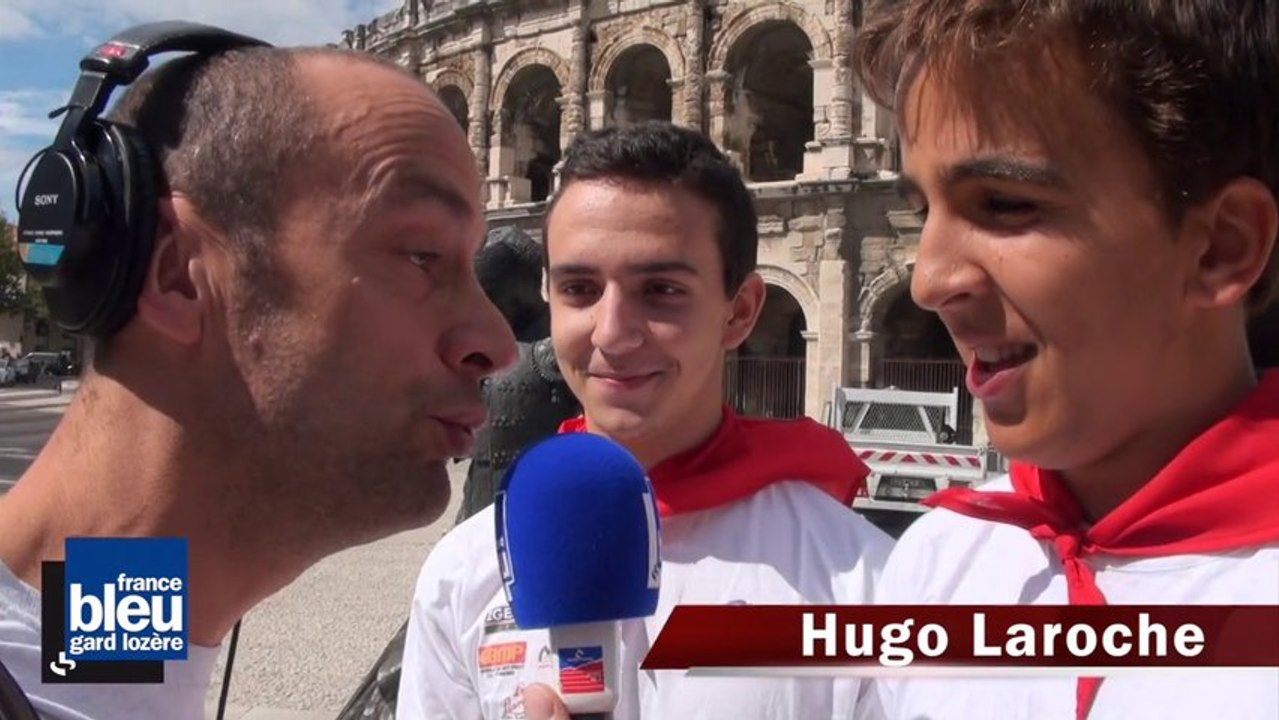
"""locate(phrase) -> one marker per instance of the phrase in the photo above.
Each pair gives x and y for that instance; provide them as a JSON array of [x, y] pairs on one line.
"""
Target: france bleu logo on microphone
[[116, 610]]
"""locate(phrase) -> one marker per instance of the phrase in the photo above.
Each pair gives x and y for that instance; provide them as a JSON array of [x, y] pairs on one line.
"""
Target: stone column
[[501, 159], [815, 397], [869, 146], [832, 320], [573, 112], [717, 82], [694, 73], [677, 108], [867, 356], [839, 114], [818, 164], [598, 103], [478, 132]]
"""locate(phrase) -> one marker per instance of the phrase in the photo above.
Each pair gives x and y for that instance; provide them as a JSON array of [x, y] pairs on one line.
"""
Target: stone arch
[[741, 24], [797, 287], [880, 293], [525, 59], [644, 35], [455, 78], [454, 90]]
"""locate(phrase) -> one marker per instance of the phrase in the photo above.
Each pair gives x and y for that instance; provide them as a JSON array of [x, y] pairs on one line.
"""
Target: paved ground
[[27, 416], [302, 651], [307, 647]]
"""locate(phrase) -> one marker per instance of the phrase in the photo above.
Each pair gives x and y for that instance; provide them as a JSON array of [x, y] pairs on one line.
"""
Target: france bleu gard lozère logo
[[115, 610]]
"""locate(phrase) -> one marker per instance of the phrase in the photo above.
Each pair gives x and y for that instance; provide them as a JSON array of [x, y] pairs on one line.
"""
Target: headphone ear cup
[[106, 270], [136, 201]]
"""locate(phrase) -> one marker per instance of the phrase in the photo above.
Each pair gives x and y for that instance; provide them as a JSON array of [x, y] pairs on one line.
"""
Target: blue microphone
[[578, 547]]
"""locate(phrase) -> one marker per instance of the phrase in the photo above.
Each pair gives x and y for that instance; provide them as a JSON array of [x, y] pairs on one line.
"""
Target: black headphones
[[86, 222]]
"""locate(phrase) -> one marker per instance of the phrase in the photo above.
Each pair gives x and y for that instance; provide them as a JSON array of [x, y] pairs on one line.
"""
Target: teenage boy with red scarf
[[1094, 248], [651, 245]]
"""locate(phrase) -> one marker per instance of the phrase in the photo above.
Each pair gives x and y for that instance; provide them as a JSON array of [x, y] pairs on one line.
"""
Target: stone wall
[[827, 236]]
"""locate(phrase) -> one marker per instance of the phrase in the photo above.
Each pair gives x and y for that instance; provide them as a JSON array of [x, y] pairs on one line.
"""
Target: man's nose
[[483, 343]]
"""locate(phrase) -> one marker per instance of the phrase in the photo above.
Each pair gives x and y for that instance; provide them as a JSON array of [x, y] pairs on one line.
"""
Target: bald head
[[229, 132]]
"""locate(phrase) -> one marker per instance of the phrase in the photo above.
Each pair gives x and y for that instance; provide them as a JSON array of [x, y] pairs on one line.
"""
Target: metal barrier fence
[[929, 375], [765, 387]]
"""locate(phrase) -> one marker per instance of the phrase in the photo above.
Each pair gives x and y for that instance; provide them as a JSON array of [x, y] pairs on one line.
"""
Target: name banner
[[965, 639]]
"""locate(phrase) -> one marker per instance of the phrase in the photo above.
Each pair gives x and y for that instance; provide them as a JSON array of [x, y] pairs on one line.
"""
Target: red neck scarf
[[744, 456], [1210, 498]]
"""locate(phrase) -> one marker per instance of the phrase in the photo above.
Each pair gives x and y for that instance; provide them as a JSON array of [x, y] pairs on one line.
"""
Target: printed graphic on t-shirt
[[502, 658], [513, 704], [498, 619], [507, 660]]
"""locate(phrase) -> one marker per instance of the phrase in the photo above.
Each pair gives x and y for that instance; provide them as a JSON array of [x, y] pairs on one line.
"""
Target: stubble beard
[[334, 468]]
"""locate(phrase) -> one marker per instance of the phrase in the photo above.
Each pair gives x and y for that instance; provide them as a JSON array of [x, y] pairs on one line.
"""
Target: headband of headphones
[[88, 194]]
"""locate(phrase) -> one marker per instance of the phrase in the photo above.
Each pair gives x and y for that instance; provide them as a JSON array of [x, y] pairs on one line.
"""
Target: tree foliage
[[17, 295]]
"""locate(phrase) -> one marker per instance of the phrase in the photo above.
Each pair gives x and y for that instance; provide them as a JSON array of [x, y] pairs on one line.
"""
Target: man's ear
[[745, 309], [176, 292], [1238, 230]]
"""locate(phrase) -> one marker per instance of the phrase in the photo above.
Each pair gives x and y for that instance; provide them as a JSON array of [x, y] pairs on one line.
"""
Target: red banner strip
[[968, 635]]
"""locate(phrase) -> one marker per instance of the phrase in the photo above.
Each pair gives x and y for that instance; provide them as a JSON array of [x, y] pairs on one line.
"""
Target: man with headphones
[[271, 250]]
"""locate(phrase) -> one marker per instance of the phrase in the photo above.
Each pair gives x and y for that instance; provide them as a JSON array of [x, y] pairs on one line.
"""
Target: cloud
[[24, 129], [284, 22], [25, 112], [14, 23], [13, 157], [83, 23]]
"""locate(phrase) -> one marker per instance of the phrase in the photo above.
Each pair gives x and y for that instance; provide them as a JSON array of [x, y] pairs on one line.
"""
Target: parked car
[[8, 372], [33, 365]]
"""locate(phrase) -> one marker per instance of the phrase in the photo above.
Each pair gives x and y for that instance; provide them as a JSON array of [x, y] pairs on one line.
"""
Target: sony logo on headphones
[[46, 199]]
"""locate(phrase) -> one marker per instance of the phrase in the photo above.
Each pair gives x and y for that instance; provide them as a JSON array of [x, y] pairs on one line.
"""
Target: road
[[302, 651], [27, 416]]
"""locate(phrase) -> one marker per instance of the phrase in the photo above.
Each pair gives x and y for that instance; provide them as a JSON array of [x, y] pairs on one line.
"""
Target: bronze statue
[[529, 401]]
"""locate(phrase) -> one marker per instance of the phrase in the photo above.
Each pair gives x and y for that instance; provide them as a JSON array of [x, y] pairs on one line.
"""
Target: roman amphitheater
[[770, 82]]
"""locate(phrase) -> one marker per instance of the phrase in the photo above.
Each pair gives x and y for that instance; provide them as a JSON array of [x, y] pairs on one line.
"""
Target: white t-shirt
[[948, 558], [181, 697], [789, 543]]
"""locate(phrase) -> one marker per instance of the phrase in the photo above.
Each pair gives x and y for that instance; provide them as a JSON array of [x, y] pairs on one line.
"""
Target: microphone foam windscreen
[[577, 534]]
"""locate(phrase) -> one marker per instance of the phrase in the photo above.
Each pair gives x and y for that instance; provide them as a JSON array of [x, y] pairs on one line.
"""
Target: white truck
[[909, 441]]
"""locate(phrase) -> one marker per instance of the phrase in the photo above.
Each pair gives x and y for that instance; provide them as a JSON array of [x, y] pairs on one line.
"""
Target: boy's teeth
[[1002, 354]]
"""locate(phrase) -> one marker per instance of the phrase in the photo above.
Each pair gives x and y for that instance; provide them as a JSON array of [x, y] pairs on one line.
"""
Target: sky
[[42, 41]]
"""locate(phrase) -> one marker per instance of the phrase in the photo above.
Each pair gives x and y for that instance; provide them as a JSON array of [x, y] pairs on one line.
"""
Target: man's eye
[[1010, 206], [422, 259]]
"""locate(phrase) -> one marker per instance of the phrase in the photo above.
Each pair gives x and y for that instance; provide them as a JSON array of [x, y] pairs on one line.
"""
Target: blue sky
[[42, 41]]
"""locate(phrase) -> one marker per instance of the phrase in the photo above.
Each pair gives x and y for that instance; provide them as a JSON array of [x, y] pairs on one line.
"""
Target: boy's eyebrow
[[1004, 167], [994, 167], [569, 270], [656, 267]]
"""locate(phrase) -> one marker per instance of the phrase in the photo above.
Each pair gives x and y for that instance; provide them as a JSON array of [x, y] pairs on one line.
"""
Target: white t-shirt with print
[[789, 543]]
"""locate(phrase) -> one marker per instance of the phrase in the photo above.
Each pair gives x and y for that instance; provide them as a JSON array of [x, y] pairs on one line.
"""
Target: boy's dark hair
[[661, 153], [1195, 81]]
